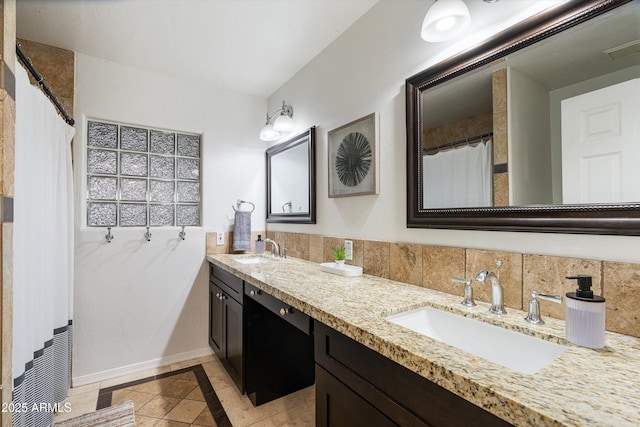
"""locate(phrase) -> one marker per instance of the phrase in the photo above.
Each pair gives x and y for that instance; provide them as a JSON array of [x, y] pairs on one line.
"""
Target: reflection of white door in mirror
[[601, 145]]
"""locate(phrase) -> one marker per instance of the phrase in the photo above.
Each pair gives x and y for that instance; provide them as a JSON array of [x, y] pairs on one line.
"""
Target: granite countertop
[[583, 387]]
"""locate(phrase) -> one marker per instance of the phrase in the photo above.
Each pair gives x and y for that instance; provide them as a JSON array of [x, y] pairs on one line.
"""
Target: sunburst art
[[353, 158]]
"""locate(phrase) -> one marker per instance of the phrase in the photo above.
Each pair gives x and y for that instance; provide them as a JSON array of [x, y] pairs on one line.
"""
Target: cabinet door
[[234, 341], [216, 312], [338, 406]]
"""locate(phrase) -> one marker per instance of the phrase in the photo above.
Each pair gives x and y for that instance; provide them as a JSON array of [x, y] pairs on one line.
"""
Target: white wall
[[364, 71], [529, 141], [140, 304]]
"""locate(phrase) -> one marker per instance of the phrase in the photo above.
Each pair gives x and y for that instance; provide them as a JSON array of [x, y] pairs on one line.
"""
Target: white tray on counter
[[341, 269]]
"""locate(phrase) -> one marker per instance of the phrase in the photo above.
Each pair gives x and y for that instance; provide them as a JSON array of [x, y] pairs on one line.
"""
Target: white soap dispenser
[[259, 245], [584, 315]]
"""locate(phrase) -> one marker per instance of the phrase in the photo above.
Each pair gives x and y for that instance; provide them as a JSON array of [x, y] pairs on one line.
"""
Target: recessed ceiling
[[247, 46]]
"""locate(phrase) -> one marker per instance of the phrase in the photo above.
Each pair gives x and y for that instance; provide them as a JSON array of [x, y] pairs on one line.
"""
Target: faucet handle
[[468, 291], [456, 279], [533, 316]]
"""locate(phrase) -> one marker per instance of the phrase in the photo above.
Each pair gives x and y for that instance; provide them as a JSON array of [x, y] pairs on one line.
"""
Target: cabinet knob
[[253, 293], [218, 295], [222, 297], [284, 311]]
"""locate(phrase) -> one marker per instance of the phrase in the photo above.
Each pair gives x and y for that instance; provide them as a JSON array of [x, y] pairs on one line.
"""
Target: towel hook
[[109, 236], [240, 202], [182, 234], [147, 234]]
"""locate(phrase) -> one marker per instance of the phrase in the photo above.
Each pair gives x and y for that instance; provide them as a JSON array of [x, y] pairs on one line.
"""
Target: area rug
[[113, 416], [218, 413]]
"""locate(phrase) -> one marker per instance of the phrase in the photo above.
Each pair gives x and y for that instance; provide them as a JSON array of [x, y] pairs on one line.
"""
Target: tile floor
[[176, 401]]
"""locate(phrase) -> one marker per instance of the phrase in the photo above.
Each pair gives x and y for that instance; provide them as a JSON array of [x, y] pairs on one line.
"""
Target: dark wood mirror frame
[[309, 137], [622, 219]]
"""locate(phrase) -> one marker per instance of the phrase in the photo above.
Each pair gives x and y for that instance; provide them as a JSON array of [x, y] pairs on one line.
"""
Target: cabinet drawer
[[359, 367], [273, 304], [229, 283]]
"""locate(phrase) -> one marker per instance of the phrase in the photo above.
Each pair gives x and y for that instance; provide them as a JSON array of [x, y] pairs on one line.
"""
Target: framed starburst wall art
[[353, 158]]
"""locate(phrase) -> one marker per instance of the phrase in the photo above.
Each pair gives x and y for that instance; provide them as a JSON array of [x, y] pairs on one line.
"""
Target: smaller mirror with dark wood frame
[[552, 152], [291, 180]]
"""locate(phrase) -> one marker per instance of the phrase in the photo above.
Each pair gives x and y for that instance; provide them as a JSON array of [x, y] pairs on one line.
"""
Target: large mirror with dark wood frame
[[291, 180], [535, 129]]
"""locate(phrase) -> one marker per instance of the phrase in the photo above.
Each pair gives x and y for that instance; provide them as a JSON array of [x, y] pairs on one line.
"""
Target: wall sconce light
[[445, 20], [284, 123]]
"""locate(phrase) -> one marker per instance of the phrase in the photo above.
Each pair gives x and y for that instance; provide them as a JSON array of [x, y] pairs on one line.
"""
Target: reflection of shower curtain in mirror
[[458, 178]]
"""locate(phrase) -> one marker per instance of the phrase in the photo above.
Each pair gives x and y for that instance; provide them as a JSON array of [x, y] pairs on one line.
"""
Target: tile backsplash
[[433, 266]]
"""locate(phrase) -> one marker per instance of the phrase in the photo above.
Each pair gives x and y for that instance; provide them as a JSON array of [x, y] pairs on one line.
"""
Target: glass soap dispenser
[[584, 315]]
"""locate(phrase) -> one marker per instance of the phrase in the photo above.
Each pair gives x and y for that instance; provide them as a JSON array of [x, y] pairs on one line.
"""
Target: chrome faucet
[[497, 298], [468, 291], [533, 315], [275, 249]]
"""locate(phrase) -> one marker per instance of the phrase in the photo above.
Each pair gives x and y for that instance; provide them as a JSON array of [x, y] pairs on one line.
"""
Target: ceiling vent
[[624, 50]]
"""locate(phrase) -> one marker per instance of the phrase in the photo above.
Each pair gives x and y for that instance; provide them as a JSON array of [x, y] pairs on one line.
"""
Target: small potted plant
[[339, 254]]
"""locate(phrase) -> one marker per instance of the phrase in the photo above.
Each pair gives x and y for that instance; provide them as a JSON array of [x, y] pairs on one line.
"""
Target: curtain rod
[[29, 66], [455, 143]]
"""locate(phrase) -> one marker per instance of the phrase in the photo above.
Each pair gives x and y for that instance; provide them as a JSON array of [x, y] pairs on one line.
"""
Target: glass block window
[[139, 177]]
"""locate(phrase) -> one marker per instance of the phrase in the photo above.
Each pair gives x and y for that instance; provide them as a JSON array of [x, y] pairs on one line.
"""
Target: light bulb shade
[[445, 20], [267, 133], [283, 123]]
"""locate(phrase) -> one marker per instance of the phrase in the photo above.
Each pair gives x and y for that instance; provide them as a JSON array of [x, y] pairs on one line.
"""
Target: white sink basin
[[252, 260], [513, 350]]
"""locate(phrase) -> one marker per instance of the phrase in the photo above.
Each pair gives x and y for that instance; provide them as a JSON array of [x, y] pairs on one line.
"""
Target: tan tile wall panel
[[510, 274], [621, 289], [499, 94], [328, 245], [56, 66], [8, 111], [460, 129], [7, 157], [316, 248], [500, 140], [406, 263], [439, 265], [547, 275], [376, 258], [433, 266], [501, 189]]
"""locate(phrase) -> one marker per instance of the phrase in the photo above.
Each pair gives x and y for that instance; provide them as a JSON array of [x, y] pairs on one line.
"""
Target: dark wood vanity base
[[265, 346], [356, 386]]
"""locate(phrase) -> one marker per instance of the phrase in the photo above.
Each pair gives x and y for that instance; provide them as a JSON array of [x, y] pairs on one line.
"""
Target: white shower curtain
[[458, 178], [42, 257]]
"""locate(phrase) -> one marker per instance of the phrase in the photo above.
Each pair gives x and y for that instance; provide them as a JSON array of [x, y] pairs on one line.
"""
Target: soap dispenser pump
[[585, 314]]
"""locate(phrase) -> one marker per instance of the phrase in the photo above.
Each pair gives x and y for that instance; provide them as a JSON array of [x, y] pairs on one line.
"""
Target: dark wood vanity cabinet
[[271, 349], [356, 386], [278, 347], [226, 335], [265, 345]]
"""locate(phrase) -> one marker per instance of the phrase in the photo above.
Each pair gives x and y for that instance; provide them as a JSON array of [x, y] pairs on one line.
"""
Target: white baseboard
[[142, 366]]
